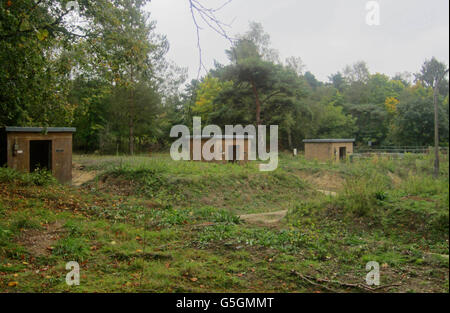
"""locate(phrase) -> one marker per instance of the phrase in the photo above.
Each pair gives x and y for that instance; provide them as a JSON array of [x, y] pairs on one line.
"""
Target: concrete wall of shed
[[241, 143], [61, 152], [326, 151]]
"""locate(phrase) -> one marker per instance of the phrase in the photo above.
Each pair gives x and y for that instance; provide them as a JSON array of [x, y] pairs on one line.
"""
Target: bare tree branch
[[208, 16]]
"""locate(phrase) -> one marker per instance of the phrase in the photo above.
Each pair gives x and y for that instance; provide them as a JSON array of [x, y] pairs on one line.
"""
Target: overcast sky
[[326, 34]]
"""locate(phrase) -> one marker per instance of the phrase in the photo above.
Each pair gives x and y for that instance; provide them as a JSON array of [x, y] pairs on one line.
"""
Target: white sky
[[326, 34]]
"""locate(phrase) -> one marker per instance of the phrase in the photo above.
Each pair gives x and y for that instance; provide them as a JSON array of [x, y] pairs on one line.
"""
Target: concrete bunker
[[328, 149], [30, 148]]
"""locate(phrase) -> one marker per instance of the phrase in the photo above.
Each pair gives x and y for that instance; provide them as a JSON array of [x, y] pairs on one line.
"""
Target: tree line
[[107, 74]]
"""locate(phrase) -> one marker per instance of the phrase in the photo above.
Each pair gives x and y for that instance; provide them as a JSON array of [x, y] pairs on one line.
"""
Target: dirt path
[[328, 193], [272, 219], [39, 242], [264, 219], [80, 175]]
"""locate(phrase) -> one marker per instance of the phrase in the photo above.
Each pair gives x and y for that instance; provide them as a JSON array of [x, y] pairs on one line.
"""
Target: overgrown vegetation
[[40, 177], [169, 233], [147, 223]]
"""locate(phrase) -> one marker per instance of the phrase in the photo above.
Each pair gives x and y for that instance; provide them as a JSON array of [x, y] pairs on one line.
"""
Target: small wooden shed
[[29, 148], [328, 149], [236, 146]]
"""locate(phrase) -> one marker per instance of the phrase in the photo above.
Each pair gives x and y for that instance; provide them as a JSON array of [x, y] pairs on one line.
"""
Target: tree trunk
[[131, 124], [131, 117], [289, 135], [436, 132], [257, 102], [131, 138]]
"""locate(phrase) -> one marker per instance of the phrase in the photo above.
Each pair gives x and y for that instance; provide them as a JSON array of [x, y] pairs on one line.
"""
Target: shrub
[[40, 177], [8, 175], [364, 193]]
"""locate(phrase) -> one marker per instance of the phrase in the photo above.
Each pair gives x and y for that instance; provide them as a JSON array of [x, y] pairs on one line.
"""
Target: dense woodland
[[105, 72]]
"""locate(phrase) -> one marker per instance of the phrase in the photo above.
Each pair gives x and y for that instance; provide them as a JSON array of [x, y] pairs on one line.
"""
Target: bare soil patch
[[323, 180], [264, 219], [116, 185], [328, 193], [396, 180], [81, 176], [39, 242]]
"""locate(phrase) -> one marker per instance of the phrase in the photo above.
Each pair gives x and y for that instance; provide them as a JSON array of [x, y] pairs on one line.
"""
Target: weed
[[71, 249]]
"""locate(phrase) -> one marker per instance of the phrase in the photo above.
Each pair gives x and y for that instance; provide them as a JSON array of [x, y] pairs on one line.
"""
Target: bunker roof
[[222, 137], [13, 129], [328, 140]]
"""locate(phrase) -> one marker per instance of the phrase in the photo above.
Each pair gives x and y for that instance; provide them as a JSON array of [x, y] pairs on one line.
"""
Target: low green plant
[[363, 194], [71, 248], [23, 221], [40, 177]]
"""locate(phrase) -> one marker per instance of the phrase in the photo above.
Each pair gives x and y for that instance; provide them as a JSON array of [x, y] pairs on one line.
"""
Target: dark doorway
[[40, 155], [342, 153], [3, 149], [233, 153]]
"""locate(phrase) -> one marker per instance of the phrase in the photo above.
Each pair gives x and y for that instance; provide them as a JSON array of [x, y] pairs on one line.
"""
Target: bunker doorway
[[40, 155], [342, 153], [233, 153]]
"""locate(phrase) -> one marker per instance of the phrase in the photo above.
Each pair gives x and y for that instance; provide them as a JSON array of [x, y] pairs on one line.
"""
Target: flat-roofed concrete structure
[[328, 149], [29, 148], [236, 147]]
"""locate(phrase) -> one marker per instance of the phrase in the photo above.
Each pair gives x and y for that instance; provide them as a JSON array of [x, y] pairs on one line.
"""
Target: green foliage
[[23, 221], [414, 124], [5, 233], [424, 185], [405, 227], [364, 193], [207, 92], [40, 177], [333, 123], [71, 248], [108, 77]]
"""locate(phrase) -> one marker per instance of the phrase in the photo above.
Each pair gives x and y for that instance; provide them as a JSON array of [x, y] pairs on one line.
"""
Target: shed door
[[342, 153], [233, 153], [40, 155]]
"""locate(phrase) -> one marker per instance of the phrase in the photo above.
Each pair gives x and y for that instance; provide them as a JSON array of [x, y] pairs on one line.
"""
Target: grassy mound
[[230, 186], [151, 224]]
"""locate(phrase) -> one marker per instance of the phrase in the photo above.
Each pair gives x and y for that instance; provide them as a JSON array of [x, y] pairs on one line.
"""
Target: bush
[[8, 175], [364, 192], [40, 177]]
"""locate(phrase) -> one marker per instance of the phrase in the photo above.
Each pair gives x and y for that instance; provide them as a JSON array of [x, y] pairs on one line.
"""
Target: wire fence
[[395, 151], [400, 149]]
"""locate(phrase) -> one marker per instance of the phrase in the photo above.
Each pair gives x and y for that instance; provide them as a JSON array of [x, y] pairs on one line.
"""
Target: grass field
[[149, 224]]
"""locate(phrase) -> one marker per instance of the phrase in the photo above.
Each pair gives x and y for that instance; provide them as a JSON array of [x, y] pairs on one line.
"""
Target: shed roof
[[328, 140], [222, 137], [14, 129]]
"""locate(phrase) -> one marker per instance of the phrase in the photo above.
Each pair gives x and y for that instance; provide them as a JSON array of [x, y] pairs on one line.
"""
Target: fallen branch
[[312, 282], [316, 282]]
